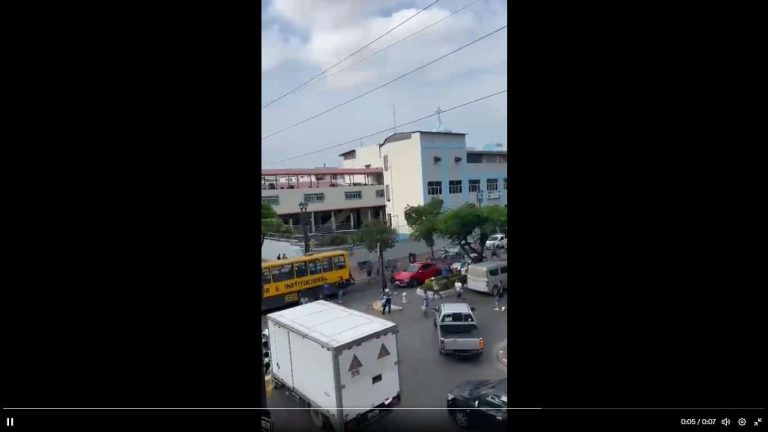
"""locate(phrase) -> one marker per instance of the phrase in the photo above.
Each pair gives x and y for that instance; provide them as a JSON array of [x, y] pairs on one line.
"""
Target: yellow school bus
[[286, 281]]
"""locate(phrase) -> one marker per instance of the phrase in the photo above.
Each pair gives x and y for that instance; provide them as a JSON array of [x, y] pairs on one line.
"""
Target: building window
[[505, 183], [474, 158], [435, 188], [492, 185], [380, 193], [315, 197], [454, 186], [474, 185], [388, 194], [386, 162], [271, 200], [354, 195]]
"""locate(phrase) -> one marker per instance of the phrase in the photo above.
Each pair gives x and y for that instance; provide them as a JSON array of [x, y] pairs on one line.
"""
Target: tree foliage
[[423, 221], [373, 233], [271, 223], [468, 223]]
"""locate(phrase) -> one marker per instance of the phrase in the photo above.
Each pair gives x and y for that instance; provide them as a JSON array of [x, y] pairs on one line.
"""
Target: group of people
[[284, 256]]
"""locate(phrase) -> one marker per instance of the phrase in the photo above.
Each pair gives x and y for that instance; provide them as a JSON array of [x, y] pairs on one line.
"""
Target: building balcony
[[286, 201]]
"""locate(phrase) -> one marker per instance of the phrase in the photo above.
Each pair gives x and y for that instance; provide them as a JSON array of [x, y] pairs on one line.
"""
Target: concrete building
[[420, 165], [377, 182], [338, 199]]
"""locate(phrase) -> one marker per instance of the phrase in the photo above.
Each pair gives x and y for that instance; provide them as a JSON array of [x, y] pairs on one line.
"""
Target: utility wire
[[401, 40], [383, 85], [355, 140], [347, 57]]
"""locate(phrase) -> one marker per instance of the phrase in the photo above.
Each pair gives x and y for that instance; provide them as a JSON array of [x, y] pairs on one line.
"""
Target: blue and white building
[[420, 165]]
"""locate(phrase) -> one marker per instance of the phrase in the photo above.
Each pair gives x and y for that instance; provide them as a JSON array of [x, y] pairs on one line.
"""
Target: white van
[[487, 276]]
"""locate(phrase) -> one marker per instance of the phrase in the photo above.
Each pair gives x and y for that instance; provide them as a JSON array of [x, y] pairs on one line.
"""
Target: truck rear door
[[369, 376]]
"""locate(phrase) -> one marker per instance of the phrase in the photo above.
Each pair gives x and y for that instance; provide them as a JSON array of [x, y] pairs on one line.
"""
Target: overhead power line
[[389, 129], [383, 85], [398, 41], [347, 57]]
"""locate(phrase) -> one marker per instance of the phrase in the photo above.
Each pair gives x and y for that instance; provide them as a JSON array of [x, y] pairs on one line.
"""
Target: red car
[[416, 274]]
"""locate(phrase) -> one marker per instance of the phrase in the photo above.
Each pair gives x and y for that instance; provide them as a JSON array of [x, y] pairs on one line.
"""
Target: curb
[[445, 293], [377, 307]]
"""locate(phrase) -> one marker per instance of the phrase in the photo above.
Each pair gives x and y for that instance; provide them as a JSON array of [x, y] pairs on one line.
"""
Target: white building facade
[[420, 165]]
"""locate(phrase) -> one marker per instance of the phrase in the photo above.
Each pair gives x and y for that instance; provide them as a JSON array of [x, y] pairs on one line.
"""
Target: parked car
[[489, 398], [416, 274], [457, 330], [500, 240]]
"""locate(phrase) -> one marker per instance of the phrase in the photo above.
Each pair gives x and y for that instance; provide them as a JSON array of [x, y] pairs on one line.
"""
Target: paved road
[[426, 376]]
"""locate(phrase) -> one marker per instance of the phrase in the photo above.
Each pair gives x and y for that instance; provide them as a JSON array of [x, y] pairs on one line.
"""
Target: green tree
[[469, 222], [423, 221], [374, 233], [271, 223]]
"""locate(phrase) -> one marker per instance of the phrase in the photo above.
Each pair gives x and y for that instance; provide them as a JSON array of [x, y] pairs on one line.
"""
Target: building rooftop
[[321, 171], [400, 136]]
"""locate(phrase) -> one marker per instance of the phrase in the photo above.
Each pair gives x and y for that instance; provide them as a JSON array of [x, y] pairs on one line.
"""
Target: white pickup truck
[[457, 330]]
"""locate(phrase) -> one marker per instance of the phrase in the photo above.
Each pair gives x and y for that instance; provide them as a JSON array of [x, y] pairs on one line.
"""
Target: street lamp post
[[479, 197], [303, 208]]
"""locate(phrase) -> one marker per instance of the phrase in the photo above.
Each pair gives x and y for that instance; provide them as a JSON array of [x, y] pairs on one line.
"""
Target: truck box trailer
[[342, 363]]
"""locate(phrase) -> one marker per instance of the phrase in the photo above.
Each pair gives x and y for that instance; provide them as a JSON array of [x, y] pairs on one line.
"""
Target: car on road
[[479, 404], [488, 277], [500, 240], [457, 330], [416, 274]]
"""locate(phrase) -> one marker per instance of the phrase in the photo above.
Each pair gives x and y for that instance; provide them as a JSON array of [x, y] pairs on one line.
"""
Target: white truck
[[342, 363]]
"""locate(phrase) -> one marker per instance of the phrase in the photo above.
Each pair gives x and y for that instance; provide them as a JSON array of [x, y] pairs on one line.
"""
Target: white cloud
[[335, 29], [275, 49]]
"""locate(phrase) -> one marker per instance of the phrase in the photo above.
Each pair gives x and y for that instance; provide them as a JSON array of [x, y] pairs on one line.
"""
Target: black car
[[479, 404]]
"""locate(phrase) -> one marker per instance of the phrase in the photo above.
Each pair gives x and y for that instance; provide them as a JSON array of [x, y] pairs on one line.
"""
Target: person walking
[[285, 256], [278, 256], [459, 287], [425, 306], [341, 286], [499, 296]]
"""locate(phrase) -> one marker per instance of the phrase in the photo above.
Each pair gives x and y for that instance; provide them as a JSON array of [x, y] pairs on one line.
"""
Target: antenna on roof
[[394, 122]]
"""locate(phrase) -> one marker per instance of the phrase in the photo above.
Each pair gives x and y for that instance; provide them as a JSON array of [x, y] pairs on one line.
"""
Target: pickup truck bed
[[459, 339]]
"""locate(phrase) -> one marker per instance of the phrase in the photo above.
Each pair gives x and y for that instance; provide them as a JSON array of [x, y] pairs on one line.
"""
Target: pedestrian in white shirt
[[459, 286]]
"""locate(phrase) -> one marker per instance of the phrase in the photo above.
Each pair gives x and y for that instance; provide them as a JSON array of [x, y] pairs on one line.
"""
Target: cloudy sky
[[301, 38]]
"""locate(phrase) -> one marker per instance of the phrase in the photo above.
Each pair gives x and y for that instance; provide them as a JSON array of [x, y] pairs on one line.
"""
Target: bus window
[[275, 274], [326, 263], [338, 262], [314, 267], [265, 276], [282, 273], [286, 272], [301, 269], [504, 270]]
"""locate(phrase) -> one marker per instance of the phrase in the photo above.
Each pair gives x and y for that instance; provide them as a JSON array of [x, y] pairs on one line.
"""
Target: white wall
[[404, 177], [368, 155]]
